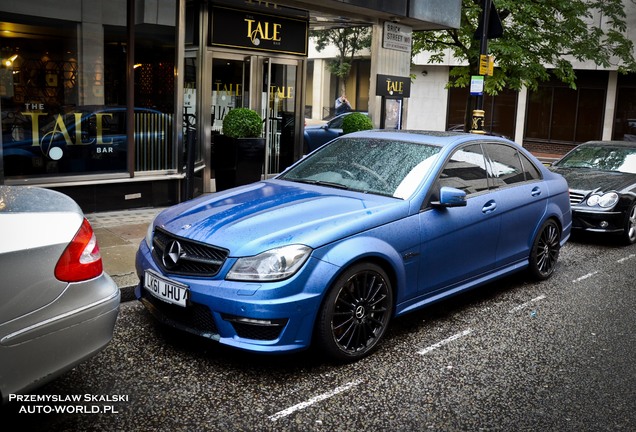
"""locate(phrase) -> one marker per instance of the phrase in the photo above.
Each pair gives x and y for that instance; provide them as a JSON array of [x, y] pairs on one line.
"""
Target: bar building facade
[[118, 103]]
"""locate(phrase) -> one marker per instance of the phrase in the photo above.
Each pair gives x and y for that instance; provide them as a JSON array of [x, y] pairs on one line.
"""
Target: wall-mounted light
[[424, 72]]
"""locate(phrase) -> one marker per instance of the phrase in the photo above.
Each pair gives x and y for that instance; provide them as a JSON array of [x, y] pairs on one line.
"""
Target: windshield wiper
[[321, 183]]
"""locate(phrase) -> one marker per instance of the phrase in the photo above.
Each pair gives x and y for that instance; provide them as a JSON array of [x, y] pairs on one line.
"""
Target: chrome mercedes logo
[[171, 255]]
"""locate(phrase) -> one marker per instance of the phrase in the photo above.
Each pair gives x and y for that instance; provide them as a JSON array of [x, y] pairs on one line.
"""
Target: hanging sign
[[248, 30], [393, 86]]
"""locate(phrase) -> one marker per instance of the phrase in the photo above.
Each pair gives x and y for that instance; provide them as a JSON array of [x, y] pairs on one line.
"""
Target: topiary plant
[[356, 122], [242, 123]]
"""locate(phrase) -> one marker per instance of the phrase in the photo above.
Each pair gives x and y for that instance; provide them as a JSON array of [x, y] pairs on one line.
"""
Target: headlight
[[149, 232], [603, 200], [608, 200], [271, 265]]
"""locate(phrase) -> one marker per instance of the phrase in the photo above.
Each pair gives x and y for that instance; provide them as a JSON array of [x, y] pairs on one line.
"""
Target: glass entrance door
[[271, 87], [279, 107], [230, 88]]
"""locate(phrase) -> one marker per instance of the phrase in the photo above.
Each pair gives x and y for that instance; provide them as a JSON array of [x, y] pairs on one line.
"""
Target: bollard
[[478, 122]]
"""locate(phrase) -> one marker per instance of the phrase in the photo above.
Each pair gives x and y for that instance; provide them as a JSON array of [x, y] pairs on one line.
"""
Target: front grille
[[194, 258], [576, 198], [196, 318]]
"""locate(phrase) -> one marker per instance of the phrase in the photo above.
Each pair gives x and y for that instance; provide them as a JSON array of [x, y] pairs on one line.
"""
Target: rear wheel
[[545, 250], [629, 232], [356, 313]]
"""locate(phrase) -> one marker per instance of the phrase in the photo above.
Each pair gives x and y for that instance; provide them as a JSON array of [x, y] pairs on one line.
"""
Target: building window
[[154, 90], [561, 115], [625, 118], [63, 87]]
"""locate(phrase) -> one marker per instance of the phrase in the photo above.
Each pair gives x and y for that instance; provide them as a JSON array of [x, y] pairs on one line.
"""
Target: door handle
[[489, 207], [536, 191]]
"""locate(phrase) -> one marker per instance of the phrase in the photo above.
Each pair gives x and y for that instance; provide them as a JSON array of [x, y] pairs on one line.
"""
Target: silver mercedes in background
[[57, 306]]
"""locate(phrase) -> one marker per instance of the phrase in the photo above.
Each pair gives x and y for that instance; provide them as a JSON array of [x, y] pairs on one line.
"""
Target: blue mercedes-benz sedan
[[371, 226]]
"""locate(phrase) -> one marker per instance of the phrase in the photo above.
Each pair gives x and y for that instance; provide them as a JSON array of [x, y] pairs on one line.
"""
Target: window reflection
[[63, 97]]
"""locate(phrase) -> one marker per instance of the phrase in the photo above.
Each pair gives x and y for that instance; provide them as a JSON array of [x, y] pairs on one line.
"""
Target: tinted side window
[[505, 166], [466, 170], [531, 171]]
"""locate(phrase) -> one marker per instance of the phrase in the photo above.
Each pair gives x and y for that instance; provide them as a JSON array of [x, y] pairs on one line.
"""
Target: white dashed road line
[[619, 261], [350, 385], [313, 400], [526, 304], [587, 276], [444, 342], [627, 258]]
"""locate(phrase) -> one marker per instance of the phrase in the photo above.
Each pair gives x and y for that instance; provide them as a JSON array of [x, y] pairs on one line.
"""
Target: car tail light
[[81, 259]]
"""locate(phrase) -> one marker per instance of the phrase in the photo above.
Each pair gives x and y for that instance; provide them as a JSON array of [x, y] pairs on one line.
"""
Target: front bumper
[[262, 317], [597, 221]]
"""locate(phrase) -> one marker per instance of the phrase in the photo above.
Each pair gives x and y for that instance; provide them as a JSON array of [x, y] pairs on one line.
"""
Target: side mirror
[[450, 197]]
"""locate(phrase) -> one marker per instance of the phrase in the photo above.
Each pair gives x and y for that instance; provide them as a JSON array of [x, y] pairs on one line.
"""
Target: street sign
[[486, 64], [476, 85], [397, 37]]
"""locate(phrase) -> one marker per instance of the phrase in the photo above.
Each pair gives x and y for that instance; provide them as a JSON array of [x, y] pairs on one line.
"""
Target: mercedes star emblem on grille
[[171, 255]]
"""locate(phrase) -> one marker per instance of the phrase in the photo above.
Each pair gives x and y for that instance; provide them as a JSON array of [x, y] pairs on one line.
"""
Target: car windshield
[[377, 166], [603, 157]]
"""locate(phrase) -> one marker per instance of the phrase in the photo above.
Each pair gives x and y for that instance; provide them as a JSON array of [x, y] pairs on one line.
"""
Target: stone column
[[385, 62]]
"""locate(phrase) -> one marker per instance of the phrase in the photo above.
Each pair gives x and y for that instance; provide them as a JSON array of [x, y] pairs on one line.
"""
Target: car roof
[[440, 138]]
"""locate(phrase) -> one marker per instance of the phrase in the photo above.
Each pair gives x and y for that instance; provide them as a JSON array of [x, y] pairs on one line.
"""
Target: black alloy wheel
[[629, 232], [545, 250], [356, 313]]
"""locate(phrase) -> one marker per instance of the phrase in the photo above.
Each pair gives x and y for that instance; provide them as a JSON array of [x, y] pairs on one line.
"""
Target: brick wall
[[548, 148]]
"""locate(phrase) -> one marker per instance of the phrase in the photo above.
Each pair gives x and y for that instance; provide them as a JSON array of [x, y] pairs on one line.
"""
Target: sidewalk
[[119, 234]]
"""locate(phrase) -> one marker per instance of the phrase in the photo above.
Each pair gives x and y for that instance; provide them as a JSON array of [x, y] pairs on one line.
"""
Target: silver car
[[57, 306]]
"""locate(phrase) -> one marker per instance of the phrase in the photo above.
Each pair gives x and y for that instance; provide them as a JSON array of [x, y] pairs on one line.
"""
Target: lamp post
[[477, 124]]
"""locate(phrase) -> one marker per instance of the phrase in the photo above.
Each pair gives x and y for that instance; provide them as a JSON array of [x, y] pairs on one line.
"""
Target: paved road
[[511, 356]]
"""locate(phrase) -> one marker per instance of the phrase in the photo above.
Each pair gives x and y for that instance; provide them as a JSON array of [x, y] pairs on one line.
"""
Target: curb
[[127, 293]]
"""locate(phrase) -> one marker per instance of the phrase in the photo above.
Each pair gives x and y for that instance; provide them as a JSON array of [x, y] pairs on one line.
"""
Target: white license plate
[[166, 289]]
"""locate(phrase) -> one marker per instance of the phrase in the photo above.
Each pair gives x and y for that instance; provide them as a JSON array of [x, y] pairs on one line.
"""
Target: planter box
[[237, 161]]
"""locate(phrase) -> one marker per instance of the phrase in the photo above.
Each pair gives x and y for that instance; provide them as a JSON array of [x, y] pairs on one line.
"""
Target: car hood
[[584, 179], [268, 214]]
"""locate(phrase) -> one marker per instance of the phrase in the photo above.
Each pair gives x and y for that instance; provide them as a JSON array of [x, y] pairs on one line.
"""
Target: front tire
[[355, 313], [629, 232], [545, 250]]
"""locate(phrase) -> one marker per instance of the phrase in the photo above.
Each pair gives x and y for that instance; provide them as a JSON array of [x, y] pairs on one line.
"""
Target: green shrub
[[356, 122], [242, 123]]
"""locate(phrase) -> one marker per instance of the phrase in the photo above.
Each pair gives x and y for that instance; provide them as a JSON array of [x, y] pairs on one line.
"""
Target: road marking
[[587, 276], [526, 304], [622, 260], [313, 400], [445, 341]]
